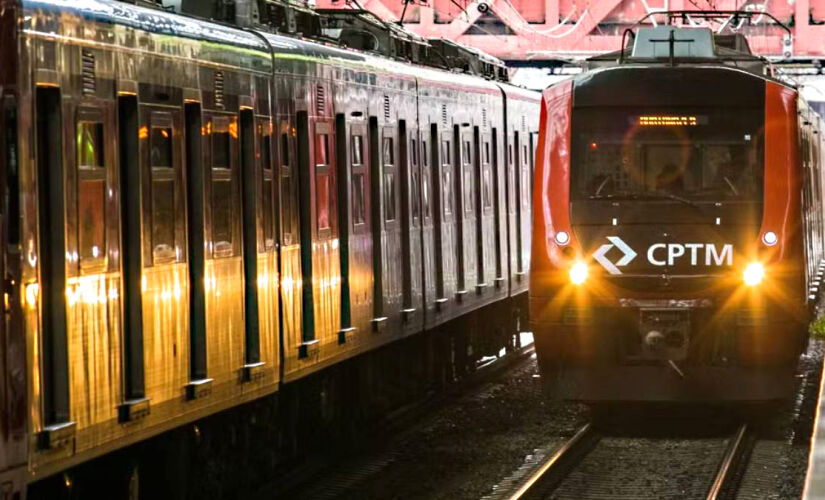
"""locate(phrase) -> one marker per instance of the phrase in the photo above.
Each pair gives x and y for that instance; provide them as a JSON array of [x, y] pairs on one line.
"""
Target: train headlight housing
[[754, 273], [578, 273], [562, 238]]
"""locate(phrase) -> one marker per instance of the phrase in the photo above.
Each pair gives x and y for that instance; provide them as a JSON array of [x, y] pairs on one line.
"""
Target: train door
[[520, 193], [386, 224], [410, 220], [499, 207], [354, 226], [446, 265], [466, 194], [320, 259], [53, 251], [427, 234], [291, 296], [259, 245], [484, 209]]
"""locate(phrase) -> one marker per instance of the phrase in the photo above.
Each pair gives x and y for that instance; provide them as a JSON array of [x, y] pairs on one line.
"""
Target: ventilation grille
[[219, 89], [444, 114], [386, 108], [484, 117], [88, 68], [320, 100]]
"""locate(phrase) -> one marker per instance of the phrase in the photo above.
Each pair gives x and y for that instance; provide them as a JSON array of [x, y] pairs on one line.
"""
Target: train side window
[[425, 153], [446, 178], [486, 152], [164, 248], [224, 130], [357, 150], [388, 152], [288, 205], [486, 188], [425, 196], [324, 192], [467, 172], [359, 208], [525, 178], [91, 194], [264, 130], [414, 181], [465, 152], [389, 196]]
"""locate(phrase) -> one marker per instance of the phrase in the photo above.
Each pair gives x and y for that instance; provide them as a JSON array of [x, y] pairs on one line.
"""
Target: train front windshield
[[693, 153]]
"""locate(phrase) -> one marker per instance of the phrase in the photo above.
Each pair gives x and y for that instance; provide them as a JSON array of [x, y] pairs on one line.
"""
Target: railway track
[[595, 465]]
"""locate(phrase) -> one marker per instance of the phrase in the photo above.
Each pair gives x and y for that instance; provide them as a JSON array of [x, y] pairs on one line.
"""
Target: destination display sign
[[671, 120]]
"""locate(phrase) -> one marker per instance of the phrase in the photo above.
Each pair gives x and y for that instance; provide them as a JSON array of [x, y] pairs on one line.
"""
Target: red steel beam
[[552, 29]]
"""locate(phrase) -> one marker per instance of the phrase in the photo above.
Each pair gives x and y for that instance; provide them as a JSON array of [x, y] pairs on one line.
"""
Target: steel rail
[[556, 461], [727, 468]]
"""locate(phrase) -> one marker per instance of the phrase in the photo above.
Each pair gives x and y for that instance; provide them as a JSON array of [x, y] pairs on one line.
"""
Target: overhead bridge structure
[[525, 30]]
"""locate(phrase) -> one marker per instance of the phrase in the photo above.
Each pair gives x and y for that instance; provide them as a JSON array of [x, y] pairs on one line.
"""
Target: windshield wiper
[[674, 197], [656, 195]]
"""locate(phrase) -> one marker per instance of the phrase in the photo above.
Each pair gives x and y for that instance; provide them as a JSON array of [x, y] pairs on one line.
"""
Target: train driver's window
[[287, 193], [324, 192], [224, 131], [161, 160], [359, 209], [264, 130], [91, 194]]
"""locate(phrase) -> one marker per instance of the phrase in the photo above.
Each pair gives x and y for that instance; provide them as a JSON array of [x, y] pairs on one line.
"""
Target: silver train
[[196, 216]]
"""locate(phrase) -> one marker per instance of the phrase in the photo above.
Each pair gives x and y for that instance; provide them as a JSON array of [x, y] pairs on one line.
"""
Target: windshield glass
[[697, 154]]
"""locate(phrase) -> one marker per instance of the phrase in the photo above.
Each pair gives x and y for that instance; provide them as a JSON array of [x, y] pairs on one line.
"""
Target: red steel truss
[[553, 29]]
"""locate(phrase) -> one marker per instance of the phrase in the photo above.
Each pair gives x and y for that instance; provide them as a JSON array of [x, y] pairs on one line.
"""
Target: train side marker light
[[770, 238], [562, 238], [578, 273], [754, 273]]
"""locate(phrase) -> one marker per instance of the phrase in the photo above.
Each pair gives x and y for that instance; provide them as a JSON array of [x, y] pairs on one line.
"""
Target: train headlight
[[754, 273], [770, 238], [562, 238], [578, 273]]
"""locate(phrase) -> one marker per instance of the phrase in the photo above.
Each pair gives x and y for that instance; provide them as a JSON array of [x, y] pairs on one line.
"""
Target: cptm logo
[[665, 254], [628, 256]]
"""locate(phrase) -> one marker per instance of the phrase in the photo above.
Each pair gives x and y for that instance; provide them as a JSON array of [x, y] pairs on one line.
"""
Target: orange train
[[678, 224]]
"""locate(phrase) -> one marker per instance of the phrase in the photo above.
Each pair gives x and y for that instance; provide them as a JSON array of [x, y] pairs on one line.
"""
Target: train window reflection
[[487, 189], [445, 152], [223, 186], [322, 194], [447, 191], [91, 195], [163, 218], [425, 195], [465, 148], [389, 196], [468, 186], [388, 151], [357, 150], [358, 205], [266, 147], [287, 209], [322, 149], [161, 147], [722, 160]]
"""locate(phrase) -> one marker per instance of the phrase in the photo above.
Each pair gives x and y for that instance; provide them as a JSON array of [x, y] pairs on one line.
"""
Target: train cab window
[[264, 131], [224, 130], [324, 199], [91, 194], [164, 248]]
